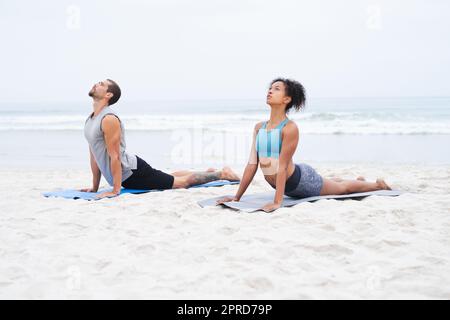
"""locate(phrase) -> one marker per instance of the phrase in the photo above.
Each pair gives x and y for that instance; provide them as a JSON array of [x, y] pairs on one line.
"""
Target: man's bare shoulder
[[110, 122]]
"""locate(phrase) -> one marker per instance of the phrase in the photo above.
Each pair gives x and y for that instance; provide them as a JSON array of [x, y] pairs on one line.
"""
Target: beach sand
[[164, 246]]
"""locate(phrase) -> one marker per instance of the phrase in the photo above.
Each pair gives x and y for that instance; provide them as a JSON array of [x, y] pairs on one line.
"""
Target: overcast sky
[[223, 49]]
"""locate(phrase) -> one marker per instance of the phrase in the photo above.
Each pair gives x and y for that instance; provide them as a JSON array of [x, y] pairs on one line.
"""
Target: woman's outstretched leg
[[360, 178], [195, 178], [333, 187]]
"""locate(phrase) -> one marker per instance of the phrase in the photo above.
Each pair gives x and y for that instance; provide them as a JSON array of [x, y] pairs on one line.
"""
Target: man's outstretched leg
[[190, 179], [187, 172]]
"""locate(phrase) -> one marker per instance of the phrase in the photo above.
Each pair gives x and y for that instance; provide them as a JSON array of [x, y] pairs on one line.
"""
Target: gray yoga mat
[[255, 202]]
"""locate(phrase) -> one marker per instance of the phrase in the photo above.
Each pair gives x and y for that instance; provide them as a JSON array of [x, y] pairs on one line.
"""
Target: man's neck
[[99, 105]]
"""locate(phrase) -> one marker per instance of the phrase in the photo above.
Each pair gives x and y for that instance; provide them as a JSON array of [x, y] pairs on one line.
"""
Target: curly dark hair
[[295, 91]]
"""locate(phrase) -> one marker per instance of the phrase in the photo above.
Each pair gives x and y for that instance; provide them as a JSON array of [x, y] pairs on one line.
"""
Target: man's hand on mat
[[107, 195], [88, 190], [226, 199], [271, 207]]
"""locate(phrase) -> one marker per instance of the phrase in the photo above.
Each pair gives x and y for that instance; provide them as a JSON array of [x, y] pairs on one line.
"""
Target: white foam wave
[[309, 123]]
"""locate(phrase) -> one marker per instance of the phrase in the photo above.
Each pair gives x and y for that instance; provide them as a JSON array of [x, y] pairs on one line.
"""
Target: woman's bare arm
[[249, 172], [290, 136]]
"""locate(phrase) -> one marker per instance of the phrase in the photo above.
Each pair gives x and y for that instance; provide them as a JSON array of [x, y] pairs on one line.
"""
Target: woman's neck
[[276, 116]]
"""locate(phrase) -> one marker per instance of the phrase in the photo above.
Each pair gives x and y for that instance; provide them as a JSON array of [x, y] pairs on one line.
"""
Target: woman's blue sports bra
[[268, 143], [268, 148]]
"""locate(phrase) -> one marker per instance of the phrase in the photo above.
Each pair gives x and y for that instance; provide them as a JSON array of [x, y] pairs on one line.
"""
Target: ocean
[[196, 134]]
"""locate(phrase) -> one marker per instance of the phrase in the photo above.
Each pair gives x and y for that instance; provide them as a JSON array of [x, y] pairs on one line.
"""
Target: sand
[[164, 246]]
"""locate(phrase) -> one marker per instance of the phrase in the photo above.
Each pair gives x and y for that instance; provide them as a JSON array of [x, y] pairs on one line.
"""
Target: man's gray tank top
[[94, 135]]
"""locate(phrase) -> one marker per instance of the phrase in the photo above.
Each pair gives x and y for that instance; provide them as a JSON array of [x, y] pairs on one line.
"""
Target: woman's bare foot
[[361, 178], [228, 174], [383, 185]]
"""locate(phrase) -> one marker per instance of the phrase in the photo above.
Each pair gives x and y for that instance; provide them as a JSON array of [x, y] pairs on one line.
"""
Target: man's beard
[[91, 93]]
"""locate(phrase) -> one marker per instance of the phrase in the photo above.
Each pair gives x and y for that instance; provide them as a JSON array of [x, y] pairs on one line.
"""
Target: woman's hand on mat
[[107, 195], [226, 199], [271, 207], [88, 190]]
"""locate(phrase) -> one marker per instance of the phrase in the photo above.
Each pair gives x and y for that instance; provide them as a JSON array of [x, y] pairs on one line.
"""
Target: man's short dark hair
[[113, 88]]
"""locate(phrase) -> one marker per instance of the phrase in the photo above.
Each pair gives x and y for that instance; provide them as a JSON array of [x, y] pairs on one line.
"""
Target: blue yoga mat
[[75, 194]]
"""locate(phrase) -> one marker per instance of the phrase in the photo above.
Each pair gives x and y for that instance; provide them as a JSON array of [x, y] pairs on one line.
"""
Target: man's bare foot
[[361, 178], [383, 185], [228, 174], [211, 170]]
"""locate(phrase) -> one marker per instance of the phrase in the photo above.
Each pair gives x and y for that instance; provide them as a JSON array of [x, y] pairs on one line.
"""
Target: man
[[105, 134]]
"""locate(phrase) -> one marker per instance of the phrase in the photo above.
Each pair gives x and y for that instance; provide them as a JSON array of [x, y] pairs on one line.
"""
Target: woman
[[274, 144]]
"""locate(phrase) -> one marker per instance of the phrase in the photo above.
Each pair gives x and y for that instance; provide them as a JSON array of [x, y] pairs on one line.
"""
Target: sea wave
[[336, 123]]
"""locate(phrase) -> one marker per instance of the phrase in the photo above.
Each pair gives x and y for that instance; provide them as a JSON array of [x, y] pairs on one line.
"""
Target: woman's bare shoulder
[[290, 128], [291, 125], [259, 125]]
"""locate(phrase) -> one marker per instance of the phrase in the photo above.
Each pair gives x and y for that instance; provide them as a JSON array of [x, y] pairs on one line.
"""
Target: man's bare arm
[[96, 174], [112, 131]]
